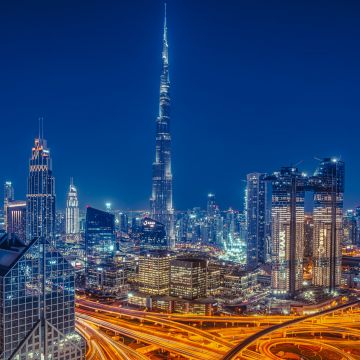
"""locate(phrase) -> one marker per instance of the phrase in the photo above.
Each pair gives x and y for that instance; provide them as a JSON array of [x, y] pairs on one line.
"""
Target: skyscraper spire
[[161, 199]]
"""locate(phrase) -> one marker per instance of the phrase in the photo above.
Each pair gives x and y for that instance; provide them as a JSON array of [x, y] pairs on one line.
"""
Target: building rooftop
[[11, 248]]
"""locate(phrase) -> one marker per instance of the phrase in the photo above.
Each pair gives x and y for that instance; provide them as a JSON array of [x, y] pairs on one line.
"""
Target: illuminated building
[[152, 235], [41, 193], [308, 235], [72, 213], [99, 246], [37, 311], [161, 201], [188, 278], [8, 197], [349, 228], [357, 216], [16, 219], [328, 185], [287, 218], [154, 272], [256, 211], [240, 285]]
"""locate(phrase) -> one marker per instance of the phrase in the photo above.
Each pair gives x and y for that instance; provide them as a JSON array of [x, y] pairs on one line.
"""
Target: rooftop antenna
[[71, 181]]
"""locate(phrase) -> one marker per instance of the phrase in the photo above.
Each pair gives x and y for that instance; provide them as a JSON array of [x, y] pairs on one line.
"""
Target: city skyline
[[130, 189]]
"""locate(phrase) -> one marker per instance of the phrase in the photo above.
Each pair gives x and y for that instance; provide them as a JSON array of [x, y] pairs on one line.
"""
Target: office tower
[[154, 272], [16, 219], [328, 184], [8, 197], [124, 223], [37, 311], [287, 212], [41, 193], [99, 245], [152, 235], [308, 235], [72, 213], [161, 202], [188, 278], [256, 208], [349, 228]]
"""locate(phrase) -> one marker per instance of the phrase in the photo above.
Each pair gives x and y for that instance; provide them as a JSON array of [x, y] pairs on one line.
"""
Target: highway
[[233, 353], [149, 335]]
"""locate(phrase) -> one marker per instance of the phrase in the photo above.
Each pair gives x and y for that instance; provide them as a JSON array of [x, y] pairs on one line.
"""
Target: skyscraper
[[328, 184], [256, 209], [152, 235], [8, 197], [37, 313], [72, 213], [41, 193], [161, 202], [287, 216], [99, 245]]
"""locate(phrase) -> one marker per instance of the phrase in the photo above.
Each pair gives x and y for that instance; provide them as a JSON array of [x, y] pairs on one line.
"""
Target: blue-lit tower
[[161, 202], [41, 193]]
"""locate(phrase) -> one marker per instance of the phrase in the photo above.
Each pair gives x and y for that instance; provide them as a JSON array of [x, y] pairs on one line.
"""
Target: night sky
[[255, 85]]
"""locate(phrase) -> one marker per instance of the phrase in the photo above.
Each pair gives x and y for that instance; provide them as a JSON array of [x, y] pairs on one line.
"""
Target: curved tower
[[161, 199]]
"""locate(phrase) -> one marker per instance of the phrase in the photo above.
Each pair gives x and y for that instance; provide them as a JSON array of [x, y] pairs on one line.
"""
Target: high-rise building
[[328, 185], [308, 235], [152, 235], [8, 197], [287, 218], [41, 193], [256, 211], [349, 228], [154, 272], [357, 216], [72, 213], [161, 201], [16, 219], [100, 245], [188, 278], [37, 313]]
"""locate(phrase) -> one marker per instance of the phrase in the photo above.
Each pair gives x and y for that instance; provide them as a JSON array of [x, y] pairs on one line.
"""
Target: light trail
[[236, 352]]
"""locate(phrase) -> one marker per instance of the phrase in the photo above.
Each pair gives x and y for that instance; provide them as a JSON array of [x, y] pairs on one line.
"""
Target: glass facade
[[287, 218], [100, 246], [37, 306], [328, 185], [256, 219], [161, 201], [41, 194], [152, 235]]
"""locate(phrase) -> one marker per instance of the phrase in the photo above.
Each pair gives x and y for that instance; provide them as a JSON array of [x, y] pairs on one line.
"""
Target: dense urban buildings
[[41, 193], [37, 313], [161, 201]]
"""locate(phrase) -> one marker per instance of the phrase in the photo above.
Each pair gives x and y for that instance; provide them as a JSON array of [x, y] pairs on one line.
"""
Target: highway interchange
[[114, 332]]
